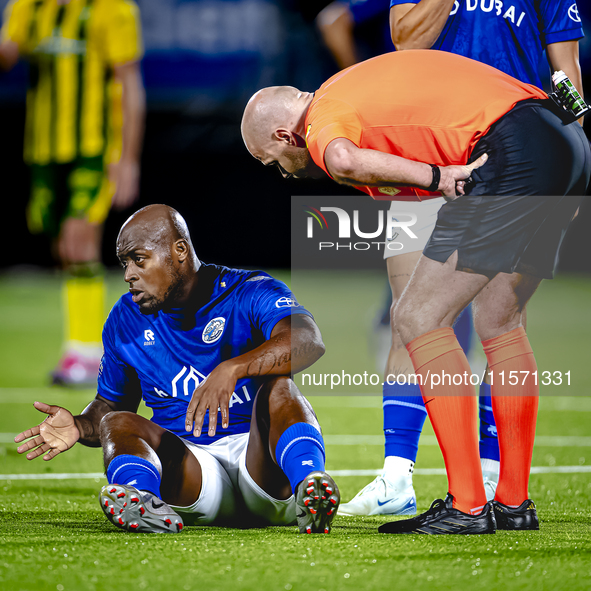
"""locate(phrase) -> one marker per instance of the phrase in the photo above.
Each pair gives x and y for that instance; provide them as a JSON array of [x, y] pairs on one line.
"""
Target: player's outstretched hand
[[57, 433], [212, 394], [453, 178]]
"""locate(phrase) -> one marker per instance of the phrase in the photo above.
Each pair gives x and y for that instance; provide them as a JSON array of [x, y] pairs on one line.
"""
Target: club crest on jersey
[[214, 329], [286, 303]]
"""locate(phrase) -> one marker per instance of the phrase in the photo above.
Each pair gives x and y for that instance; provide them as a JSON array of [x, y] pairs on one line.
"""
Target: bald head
[[270, 109], [273, 129], [157, 225], [155, 249]]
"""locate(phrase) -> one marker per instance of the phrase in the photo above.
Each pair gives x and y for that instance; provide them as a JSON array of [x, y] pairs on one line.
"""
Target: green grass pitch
[[53, 535]]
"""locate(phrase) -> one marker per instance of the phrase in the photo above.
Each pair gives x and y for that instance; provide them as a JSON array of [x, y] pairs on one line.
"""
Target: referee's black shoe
[[524, 517], [442, 518]]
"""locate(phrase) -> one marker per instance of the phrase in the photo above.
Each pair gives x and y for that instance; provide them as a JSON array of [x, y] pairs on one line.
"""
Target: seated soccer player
[[207, 348]]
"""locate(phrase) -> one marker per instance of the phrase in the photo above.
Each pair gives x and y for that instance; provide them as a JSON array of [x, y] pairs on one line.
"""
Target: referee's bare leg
[[425, 313]]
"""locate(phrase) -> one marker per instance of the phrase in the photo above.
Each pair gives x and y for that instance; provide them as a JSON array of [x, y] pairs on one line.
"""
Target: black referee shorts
[[519, 205]]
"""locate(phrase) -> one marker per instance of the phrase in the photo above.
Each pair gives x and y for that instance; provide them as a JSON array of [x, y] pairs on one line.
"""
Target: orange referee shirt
[[424, 105]]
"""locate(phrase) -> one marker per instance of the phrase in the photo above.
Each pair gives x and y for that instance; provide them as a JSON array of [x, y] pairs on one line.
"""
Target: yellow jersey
[[73, 102]]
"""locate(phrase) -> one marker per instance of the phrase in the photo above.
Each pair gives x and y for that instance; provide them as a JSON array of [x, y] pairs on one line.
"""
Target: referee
[[494, 241]]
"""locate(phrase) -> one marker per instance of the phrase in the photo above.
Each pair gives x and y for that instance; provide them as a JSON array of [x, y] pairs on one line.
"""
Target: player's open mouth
[[136, 295]]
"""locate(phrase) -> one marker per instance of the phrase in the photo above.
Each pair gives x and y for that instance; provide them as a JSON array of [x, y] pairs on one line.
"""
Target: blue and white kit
[[163, 357], [510, 35]]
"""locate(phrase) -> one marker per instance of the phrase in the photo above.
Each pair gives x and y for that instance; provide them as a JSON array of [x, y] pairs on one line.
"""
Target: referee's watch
[[434, 186]]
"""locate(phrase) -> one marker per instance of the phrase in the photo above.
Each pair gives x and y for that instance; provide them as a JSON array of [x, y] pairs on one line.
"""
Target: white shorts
[[229, 496], [425, 213]]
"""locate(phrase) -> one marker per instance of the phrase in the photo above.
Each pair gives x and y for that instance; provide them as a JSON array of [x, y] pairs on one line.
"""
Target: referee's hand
[[453, 178]]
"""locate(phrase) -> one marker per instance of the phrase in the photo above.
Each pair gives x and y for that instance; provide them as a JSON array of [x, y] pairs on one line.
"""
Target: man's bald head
[[157, 226], [276, 107], [273, 129]]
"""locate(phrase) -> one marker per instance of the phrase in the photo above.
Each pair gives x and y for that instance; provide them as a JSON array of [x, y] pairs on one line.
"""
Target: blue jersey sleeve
[[116, 379], [271, 300], [365, 10], [560, 21]]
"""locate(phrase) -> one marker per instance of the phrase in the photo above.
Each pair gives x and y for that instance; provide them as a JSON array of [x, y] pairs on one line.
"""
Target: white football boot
[[381, 497]]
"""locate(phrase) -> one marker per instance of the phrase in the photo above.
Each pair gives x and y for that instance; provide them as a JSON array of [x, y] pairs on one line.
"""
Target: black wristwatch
[[436, 178]]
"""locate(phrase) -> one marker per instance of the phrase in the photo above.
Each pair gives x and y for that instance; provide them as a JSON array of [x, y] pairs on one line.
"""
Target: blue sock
[[489, 444], [404, 416], [134, 471], [463, 328], [299, 451]]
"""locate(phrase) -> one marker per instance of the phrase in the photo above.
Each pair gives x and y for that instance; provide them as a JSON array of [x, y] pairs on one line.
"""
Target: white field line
[[320, 399], [428, 440], [420, 471], [54, 476], [441, 471]]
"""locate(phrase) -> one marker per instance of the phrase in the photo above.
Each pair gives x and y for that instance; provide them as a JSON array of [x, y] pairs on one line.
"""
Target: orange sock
[[515, 408], [437, 357]]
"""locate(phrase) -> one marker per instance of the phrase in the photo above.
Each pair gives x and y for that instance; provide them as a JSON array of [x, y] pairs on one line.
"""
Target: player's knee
[[276, 389], [281, 401], [116, 422]]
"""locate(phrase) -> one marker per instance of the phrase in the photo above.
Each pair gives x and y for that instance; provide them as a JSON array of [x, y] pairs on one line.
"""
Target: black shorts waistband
[[546, 103]]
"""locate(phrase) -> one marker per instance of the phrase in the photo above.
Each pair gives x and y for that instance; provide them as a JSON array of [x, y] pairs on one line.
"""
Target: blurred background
[[203, 60]]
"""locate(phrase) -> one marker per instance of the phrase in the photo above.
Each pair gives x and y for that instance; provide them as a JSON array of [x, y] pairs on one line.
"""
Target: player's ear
[[181, 249]]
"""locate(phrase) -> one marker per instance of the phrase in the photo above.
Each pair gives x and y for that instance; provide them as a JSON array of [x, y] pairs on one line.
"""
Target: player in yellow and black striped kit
[[83, 135]]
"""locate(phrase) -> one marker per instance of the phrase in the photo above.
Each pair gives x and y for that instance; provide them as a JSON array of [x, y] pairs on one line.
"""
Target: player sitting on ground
[[191, 338]]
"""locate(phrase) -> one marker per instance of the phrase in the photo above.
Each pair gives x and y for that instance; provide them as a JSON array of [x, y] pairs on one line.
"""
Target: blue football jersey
[[510, 35], [163, 357]]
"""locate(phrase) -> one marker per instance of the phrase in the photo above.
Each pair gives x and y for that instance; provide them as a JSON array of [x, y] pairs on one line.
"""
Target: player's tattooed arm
[[295, 344]]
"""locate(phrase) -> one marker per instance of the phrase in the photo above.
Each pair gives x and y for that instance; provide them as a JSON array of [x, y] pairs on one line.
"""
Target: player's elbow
[[306, 343], [318, 347], [314, 345], [341, 162], [313, 349]]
